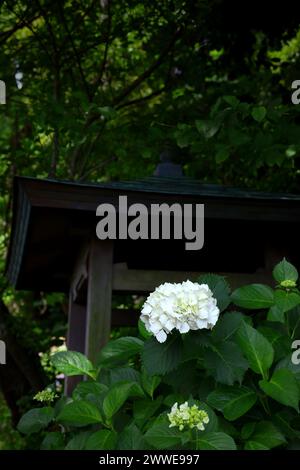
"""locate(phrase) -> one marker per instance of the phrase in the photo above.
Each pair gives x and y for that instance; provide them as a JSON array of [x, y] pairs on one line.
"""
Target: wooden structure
[[53, 245]]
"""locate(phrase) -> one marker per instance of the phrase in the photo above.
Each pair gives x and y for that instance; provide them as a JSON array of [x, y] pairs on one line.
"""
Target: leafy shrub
[[243, 376], [10, 439]]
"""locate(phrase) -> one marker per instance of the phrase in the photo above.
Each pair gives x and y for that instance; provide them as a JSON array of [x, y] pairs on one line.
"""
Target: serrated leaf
[[283, 420], [215, 441], [282, 387], [276, 314], [219, 288], [227, 326], [119, 351], [253, 296], [285, 271], [161, 358], [161, 436], [222, 155], [228, 428], [72, 363], [253, 445], [118, 394], [225, 363], [267, 435], [233, 402], [131, 438], [287, 363], [293, 317], [35, 420], [150, 383], [256, 348], [259, 113], [78, 441], [144, 409], [194, 344], [80, 413], [121, 374], [145, 334], [247, 430], [278, 339], [184, 379], [53, 441], [286, 301], [207, 386], [101, 440], [84, 389], [207, 128], [60, 404], [232, 100], [169, 400]]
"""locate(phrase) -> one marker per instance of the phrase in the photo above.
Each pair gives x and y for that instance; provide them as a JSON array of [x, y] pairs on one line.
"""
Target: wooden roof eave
[[32, 193]]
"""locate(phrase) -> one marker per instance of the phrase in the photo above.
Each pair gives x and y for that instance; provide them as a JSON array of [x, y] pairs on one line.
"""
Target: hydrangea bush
[[210, 369]]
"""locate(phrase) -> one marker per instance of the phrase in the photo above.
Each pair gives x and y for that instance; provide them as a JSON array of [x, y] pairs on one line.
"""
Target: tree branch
[[106, 47], [21, 24], [93, 116], [82, 17], [29, 26], [77, 57], [49, 27], [142, 99], [146, 74], [97, 167]]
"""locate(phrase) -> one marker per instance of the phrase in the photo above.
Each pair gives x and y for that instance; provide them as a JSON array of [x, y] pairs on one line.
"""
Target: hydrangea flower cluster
[[46, 395], [187, 417], [288, 283], [186, 306]]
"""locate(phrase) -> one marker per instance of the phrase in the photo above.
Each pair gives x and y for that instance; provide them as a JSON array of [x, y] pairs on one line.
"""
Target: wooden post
[[76, 337], [98, 318]]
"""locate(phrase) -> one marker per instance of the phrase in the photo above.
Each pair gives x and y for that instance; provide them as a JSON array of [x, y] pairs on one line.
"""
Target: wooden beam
[[98, 319], [139, 280]]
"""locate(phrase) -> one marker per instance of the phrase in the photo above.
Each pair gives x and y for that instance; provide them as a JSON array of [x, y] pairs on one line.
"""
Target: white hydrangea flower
[[186, 306], [186, 416]]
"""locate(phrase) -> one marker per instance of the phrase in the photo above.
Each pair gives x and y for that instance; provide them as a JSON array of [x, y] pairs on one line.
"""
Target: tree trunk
[[22, 374]]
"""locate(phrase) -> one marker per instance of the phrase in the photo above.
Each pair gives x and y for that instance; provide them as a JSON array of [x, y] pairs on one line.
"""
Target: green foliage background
[[95, 91]]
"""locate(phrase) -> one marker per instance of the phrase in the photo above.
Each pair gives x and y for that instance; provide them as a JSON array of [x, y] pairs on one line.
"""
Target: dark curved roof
[[180, 185], [52, 218]]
